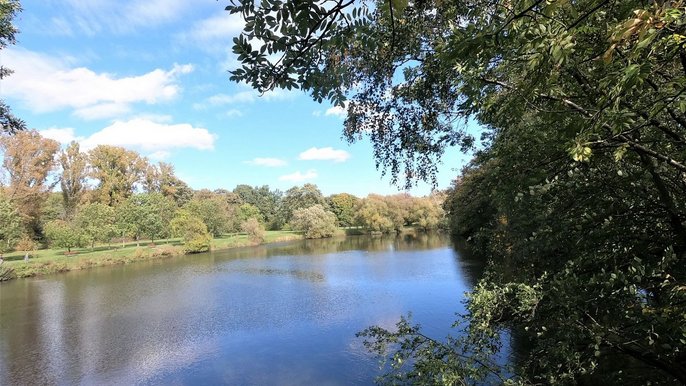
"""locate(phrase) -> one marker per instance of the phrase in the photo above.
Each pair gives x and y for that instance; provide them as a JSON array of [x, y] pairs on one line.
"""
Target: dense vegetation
[[576, 194], [112, 193]]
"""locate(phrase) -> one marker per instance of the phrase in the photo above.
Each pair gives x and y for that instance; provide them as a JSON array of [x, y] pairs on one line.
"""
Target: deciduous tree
[[27, 160], [315, 222], [117, 171], [74, 165]]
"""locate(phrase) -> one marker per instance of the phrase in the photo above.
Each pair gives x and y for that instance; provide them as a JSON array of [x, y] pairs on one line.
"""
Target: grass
[[48, 261]]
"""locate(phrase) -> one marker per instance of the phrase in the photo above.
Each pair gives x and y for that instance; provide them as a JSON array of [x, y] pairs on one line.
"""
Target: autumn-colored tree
[[117, 170], [254, 230], [74, 165], [161, 178], [28, 158]]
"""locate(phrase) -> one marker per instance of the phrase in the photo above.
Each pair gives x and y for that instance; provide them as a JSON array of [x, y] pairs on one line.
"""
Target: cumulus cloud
[[268, 162], [324, 154], [43, 83], [61, 135], [151, 136], [336, 111], [299, 177]]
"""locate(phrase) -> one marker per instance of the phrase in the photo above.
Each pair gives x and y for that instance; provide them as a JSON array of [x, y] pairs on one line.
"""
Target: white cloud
[[61, 135], [324, 154], [159, 155], [299, 177], [102, 110], [214, 33], [91, 17], [247, 96], [268, 162], [233, 113], [336, 111], [43, 83], [150, 136]]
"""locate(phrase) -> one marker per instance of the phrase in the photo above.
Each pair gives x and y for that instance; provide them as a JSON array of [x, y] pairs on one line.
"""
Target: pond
[[277, 314]]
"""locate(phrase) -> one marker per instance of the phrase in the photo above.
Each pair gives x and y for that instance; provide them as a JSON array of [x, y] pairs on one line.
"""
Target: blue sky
[[152, 76]]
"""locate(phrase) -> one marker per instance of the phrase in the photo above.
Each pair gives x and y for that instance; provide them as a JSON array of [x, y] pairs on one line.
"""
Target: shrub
[[193, 231], [254, 230], [315, 222]]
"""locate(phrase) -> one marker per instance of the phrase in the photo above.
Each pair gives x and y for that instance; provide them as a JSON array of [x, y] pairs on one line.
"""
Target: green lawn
[[46, 261]]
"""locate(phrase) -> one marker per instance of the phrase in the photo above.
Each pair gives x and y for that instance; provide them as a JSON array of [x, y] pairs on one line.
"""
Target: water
[[280, 314]]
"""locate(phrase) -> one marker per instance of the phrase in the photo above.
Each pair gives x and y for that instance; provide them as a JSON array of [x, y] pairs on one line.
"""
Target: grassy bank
[[48, 261]]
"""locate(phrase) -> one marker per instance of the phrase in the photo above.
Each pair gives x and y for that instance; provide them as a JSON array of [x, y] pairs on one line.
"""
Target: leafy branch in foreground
[[412, 358]]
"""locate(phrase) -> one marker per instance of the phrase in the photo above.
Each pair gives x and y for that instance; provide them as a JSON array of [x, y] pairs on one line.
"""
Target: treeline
[[112, 193]]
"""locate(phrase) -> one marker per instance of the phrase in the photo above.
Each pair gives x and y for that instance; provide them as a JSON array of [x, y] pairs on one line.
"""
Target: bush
[[254, 230], [315, 222], [193, 231]]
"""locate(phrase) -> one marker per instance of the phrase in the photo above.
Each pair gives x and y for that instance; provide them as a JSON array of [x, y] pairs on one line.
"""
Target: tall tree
[[28, 159], [266, 200], [161, 178], [213, 212], [343, 206], [300, 197], [582, 107], [117, 171], [8, 10], [74, 165]]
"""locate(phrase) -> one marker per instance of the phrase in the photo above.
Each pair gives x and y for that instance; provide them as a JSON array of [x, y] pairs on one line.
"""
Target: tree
[[145, 214], [28, 158], [266, 200], [97, 222], [74, 173], [315, 222], [426, 213], [254, 229], [373, 215], [192, 230], [298, 198], [248, 211], [213, 212], [8, 10], [161, 178], [117, 171], [343, 206], [583, 123], [10, 224], [62, 234]]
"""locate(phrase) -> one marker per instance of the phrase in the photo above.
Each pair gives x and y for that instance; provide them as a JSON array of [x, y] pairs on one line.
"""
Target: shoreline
[[85, 259]]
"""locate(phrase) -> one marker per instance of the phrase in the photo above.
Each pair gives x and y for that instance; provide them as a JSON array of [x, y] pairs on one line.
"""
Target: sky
[[152, 76]]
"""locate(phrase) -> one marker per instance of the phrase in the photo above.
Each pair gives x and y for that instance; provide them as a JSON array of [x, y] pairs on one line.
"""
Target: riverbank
[[49, 261]]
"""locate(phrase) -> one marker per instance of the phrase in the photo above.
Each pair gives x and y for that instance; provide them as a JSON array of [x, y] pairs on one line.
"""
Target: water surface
[[279, 314]]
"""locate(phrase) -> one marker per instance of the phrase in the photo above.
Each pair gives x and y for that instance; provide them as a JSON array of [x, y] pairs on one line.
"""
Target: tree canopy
[[578, 181]]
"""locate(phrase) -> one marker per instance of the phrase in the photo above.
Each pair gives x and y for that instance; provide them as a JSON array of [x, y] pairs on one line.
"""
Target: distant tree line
[[69, 198]]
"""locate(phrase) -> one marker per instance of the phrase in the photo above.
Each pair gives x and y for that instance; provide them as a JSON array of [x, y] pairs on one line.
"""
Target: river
[[277, 314]]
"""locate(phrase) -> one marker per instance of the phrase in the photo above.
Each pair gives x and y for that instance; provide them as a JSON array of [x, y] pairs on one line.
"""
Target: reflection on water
[[277, 314]]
